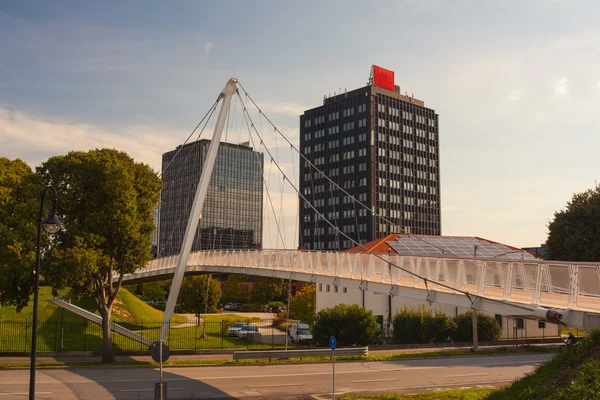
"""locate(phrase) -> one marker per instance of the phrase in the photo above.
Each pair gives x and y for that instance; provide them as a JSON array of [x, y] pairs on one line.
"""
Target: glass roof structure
[[449, 246]]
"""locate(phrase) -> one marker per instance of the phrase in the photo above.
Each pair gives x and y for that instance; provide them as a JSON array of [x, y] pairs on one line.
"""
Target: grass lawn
[[463, 394], [79, 334]]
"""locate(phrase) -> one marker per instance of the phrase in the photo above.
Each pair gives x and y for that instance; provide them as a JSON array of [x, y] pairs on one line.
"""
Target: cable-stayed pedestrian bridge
[[541, 289]]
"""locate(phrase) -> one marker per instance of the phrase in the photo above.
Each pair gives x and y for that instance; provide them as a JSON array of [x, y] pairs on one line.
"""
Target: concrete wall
[[330, 295]]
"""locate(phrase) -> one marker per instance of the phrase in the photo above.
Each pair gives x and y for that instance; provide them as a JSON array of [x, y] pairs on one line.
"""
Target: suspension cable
[[425, 279], [248, 125], [330, 180]]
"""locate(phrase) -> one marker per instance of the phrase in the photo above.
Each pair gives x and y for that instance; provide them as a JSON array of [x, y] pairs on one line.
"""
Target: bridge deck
[[524, 283]]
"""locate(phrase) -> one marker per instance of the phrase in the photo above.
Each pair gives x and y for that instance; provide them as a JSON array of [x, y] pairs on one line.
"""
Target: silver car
[[235, 328], [247, 329]]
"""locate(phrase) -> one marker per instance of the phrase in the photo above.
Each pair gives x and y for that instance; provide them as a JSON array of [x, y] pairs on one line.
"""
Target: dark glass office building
[[232, 214], [382, 147]]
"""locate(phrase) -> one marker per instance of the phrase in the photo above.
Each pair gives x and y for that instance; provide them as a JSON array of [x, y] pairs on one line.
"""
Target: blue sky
[[516, 85]]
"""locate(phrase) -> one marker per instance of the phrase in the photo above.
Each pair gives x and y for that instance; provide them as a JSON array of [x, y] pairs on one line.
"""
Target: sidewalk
[[229, 356]]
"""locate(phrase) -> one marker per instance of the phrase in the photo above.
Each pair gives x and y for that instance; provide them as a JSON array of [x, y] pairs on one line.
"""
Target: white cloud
[[208, 48], [515, 95], [35, 139], [561, 88]]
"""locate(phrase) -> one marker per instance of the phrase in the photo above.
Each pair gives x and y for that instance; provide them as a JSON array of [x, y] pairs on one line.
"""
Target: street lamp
[[52, 225]]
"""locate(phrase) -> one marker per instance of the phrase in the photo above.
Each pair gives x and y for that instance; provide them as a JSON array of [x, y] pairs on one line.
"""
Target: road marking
[[463, 375], [532, 363], [374, 380], [280, 385], [147, 390]]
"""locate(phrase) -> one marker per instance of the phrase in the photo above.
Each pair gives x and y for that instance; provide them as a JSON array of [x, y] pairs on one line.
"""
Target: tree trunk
[[108, 356]]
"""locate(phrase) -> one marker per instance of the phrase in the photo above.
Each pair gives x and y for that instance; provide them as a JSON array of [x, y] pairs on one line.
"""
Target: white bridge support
[[197, 206], [537, 289], [98, 320]]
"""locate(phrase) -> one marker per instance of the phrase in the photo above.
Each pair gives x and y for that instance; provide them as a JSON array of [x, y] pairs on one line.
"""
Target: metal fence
[[75, 336]]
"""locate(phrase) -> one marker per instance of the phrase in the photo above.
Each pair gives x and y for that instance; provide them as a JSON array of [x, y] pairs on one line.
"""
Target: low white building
[[385, 306]]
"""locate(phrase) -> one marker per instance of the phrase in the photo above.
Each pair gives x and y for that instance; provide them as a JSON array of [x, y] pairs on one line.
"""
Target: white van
[[300, 332]]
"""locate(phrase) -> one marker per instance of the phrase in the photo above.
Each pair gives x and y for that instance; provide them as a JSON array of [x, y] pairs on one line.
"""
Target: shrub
[[350, 324], [252, 307], [488, 328], [421, 325]]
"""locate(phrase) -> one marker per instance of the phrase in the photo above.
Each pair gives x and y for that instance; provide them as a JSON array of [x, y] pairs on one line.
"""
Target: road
[[290, 381]]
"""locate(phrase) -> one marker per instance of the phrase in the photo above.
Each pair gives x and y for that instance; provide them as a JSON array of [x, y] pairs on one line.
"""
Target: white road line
[[533, 363], [463, 375], [147, 390], [374, 380], [280, 385]]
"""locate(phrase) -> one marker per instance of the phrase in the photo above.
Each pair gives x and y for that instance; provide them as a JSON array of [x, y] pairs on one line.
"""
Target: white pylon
[[196, 211]]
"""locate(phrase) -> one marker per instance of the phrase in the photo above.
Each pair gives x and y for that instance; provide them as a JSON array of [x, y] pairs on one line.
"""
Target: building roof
[[445, 246]]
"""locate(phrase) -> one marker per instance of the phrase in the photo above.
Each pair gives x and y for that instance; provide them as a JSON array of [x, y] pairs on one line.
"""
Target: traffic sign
[[332, 343], [156, 353]]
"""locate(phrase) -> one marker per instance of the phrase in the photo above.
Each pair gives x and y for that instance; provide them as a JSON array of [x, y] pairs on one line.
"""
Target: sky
[[516, 85]]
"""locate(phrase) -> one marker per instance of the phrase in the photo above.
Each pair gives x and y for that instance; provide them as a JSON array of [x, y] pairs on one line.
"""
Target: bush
[[252, 307], [488, 328], [350, 324], [420, 325]]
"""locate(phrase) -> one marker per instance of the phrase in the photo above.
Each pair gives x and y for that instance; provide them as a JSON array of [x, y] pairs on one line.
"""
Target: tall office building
[[232, 214], [382, 147]]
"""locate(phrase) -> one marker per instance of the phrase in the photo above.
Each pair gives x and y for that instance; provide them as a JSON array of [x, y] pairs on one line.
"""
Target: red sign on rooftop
[[383, 78]]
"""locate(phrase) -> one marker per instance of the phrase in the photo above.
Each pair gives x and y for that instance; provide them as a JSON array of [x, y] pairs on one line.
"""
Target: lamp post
[[51, 225]]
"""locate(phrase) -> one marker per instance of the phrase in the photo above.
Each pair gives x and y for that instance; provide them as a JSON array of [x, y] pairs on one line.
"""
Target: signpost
[[332, 345], [160, 354]]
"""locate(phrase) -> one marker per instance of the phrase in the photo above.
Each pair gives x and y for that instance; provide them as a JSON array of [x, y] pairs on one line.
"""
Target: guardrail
[[270, 354]]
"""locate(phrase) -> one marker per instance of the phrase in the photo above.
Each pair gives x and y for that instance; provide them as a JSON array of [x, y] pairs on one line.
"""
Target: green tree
[[302, 305], [573, 234], [350, 324], [233, 290], [421, 325], [488, 328], [152, 291], [106, 203], [19, 202], [267, 289], [193, 295]]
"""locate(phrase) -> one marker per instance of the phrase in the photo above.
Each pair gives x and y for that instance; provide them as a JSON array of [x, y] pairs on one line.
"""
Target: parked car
[[235, 328], [237, 306], [247, 329], [300, 332], [229, 306]]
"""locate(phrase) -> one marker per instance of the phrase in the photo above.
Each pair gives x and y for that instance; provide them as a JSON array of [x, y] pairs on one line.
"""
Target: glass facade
[[232, 214], [382, 148]]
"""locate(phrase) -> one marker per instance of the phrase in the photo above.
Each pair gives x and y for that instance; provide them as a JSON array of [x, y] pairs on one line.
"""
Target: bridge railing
[[558, 284]]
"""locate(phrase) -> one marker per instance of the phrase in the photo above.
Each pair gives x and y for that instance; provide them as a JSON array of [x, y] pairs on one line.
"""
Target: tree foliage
[[19, 206], [233, 290], [573, 234], [106, 203], [350, 324], [421, 325], [194, 296], [488, 328], [151, 291], [302, 305], [267, 289]]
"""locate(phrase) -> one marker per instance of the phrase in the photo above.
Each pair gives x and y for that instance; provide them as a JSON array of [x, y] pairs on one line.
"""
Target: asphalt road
[[291, 381]]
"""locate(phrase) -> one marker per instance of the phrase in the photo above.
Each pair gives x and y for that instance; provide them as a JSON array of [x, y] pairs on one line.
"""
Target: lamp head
[[53, 224]]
